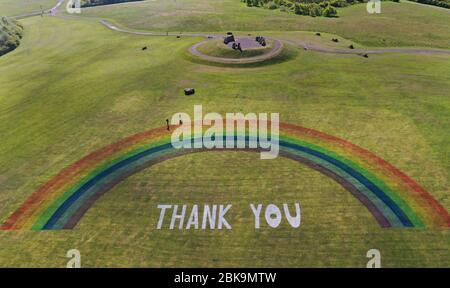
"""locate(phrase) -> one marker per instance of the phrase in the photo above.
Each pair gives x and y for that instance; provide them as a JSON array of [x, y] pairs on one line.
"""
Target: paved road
[[117, 29], [296, 43], [423, 51]]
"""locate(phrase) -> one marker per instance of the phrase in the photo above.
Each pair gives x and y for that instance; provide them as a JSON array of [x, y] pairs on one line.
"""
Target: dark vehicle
[[189, 91], [261, 40], [228, 39]]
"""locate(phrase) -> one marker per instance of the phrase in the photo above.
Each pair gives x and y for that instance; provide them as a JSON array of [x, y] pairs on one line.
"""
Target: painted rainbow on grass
[[393, 198]]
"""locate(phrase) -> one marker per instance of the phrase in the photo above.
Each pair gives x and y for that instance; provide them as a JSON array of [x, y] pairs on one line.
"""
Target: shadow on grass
[[289, 52]]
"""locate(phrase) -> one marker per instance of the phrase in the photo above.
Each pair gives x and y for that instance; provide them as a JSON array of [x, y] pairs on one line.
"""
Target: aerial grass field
[[74, 86]]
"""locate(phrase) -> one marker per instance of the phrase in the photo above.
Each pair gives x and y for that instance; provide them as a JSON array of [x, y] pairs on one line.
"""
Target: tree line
[[11, 32], [439, 3], [312, 8], [88, 3]]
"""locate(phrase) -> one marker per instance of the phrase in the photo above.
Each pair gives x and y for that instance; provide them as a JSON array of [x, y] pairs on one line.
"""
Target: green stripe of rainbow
[[54, 205]]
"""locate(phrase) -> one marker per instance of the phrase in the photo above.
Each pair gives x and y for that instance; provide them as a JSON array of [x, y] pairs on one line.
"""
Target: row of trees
[[301, 7], [313, 8], [88, 3], [440, 3], [10, 34]]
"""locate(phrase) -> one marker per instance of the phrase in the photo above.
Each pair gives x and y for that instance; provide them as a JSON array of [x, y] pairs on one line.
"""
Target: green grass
[[74, 86], [18, 7], [399, 24]]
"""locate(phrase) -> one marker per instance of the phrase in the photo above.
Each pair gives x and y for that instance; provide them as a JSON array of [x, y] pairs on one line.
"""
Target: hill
[[400, 24]]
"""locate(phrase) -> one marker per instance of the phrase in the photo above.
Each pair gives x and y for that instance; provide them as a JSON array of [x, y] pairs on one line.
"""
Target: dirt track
[[368, 51], [278, 47]]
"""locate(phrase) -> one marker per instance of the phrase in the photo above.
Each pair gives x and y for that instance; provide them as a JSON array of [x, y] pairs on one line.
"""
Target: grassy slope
[[399, 24], [62, 90], [17, 7], [216, 48]]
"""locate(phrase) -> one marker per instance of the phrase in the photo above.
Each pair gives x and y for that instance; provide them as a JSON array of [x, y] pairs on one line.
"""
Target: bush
[[254, 3], [315, 10], [10, 34], [326, 8], [339, 3], [272, 5], [283, 8], [311, 9], [329, 11]]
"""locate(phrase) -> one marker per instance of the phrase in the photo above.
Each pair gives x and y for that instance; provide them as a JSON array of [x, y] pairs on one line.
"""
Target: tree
[[315, 10], [329, 11], [10, 34], [300, 9]]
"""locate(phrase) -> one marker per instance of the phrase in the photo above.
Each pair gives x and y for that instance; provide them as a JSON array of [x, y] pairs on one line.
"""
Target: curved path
[[276, 50], [322, 49], [300, 43], [149, 33]]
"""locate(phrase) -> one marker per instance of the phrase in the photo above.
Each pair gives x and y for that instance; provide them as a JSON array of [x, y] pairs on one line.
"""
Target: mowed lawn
[[74, 86], [399, 24]]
